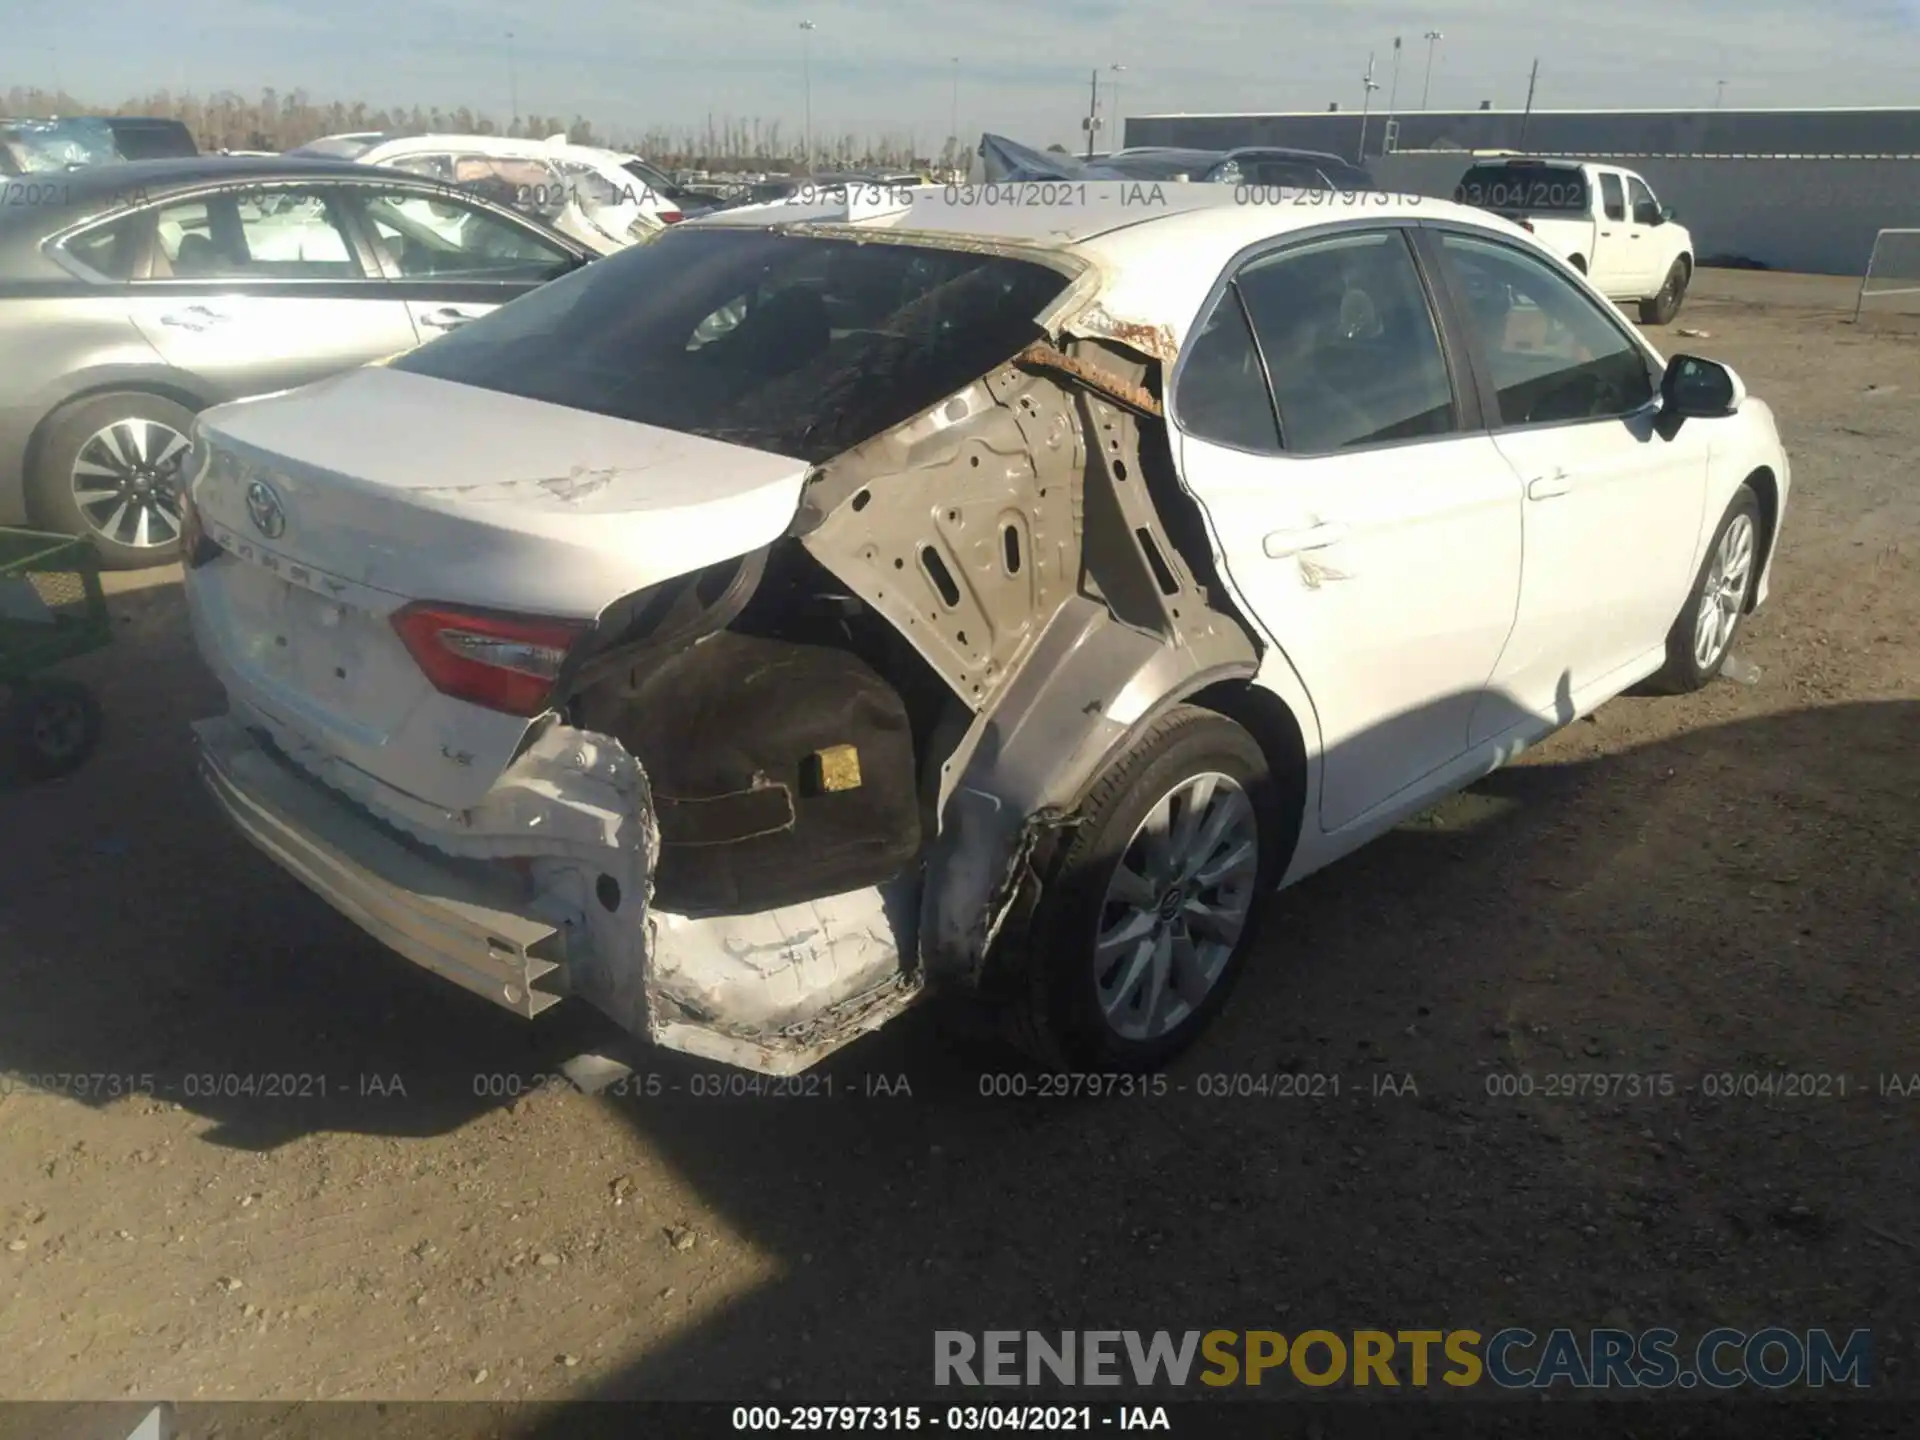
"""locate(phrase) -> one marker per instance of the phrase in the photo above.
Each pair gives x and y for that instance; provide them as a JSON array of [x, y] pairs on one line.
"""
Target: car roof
[[96, 191], [1552, 162], [1156, 248], [1286, 152], [129, 179]]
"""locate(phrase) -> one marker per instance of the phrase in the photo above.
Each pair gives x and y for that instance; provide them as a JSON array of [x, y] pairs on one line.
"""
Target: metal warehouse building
[[1866, 132]]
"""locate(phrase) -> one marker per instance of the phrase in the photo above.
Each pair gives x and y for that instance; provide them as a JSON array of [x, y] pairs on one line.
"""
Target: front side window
[[438, 237], [1555, 355], [527, 184], [434, 167], [1350, 343], [1646, 209], [287, 233], [1613, 197], [797, 345]]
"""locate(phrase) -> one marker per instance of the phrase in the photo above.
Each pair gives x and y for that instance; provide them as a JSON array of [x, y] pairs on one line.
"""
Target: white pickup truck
[[1606, 223]]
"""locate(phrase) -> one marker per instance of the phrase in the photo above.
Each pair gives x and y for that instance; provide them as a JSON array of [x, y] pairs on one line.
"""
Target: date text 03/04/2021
[[962, 1419]]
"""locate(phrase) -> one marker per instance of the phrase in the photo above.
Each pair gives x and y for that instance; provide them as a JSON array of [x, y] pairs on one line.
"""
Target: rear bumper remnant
[[773, 992]]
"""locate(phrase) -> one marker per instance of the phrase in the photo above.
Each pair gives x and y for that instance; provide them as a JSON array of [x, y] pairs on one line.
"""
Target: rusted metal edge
[[1041, 355]]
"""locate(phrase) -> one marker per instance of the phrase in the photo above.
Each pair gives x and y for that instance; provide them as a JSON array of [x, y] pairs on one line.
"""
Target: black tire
[[1053, 1013], [1661, 308], [1683, 673], [52, 727], [50, 481]]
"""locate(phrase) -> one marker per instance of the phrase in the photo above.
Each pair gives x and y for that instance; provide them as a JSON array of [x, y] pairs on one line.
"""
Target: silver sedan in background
[[134, 295]]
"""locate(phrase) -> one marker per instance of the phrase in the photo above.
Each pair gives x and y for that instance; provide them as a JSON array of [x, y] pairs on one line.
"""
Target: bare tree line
[[226, 120]]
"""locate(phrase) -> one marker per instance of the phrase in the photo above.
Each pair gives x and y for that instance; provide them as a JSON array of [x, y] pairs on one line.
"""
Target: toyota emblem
[[265, 510]]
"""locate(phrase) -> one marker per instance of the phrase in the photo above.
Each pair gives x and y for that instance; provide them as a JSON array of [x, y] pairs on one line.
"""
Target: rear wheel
[[111, 468], [1703, 634], [1666, 304], [1147, 916]]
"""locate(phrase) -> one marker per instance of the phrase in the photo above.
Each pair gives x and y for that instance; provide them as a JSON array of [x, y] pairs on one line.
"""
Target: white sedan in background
[[1066, 576], [588, 194]]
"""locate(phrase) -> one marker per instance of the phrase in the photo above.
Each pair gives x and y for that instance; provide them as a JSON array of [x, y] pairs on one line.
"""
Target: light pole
[[513, 87], [1433, 37], [1119, 140], [1093, 112], [954, 129], [1367, 86], [1393, 94], [806, 87]]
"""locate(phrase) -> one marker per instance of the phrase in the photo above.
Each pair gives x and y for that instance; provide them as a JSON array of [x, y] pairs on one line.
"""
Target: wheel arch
[[1277, 731], [1766, 489]]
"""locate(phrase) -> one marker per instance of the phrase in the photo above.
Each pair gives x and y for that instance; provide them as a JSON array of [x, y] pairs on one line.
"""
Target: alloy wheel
[[1176, 906], [126, 481], [1724, 594]]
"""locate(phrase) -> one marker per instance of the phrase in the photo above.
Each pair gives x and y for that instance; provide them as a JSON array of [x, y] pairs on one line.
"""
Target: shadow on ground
[[1731, 899]]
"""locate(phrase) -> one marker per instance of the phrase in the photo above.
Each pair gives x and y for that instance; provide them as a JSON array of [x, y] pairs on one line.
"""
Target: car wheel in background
[[1147, 914], [1661, 309], [1702, 637], [51, 726], [110, 468]]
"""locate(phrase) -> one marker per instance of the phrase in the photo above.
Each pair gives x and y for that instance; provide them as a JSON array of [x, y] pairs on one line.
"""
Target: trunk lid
[[340, 503]]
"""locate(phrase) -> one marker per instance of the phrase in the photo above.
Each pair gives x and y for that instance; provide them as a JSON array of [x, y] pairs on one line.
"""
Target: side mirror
[[1666, 213], [1697, 389]]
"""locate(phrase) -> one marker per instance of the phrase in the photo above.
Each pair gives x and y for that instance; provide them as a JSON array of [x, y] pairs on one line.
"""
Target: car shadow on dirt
[[1379, 1164]]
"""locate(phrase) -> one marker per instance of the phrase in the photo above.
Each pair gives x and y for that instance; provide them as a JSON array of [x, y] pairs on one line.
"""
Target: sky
[[1022, 66]]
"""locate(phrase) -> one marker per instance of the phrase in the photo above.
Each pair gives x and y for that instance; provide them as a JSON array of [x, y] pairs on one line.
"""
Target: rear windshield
[[157, 140], [337, 147], [797, 345], [1533, 188]]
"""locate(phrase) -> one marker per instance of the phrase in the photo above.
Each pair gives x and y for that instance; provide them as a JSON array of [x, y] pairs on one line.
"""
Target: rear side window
[[792, 344], [263, 234], [1222, 395], [107, 250], [1350, 343], [1613, 197], [1533, 188]]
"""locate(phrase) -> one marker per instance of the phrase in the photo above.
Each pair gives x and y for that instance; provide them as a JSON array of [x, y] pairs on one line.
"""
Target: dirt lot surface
[[1719, 889]]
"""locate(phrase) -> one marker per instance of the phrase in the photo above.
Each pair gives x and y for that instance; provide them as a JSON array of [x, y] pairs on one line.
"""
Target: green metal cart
[[51, 609]]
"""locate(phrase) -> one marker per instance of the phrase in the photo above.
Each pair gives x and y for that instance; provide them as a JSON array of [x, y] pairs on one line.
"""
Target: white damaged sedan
[[826, 606]]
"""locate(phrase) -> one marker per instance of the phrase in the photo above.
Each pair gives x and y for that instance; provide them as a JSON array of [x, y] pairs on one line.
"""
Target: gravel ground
[[1721, 885]]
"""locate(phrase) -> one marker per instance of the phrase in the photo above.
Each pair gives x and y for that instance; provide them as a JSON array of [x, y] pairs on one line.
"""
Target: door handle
[[1548, 486], [1282, 543], [193, 317], [1606, 234], [446, 319]]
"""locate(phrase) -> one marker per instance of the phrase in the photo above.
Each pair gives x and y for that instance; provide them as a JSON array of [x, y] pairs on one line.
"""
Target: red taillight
[[503, 662], [670, 217]]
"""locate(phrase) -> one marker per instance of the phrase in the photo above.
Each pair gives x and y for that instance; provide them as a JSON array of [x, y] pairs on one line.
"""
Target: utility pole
[[1367, 87], [1433, 37], [1720, 93], [806, 86], [1527, 116], [1393, 94], [954, 128], [1113, 99], [1093, 112]]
